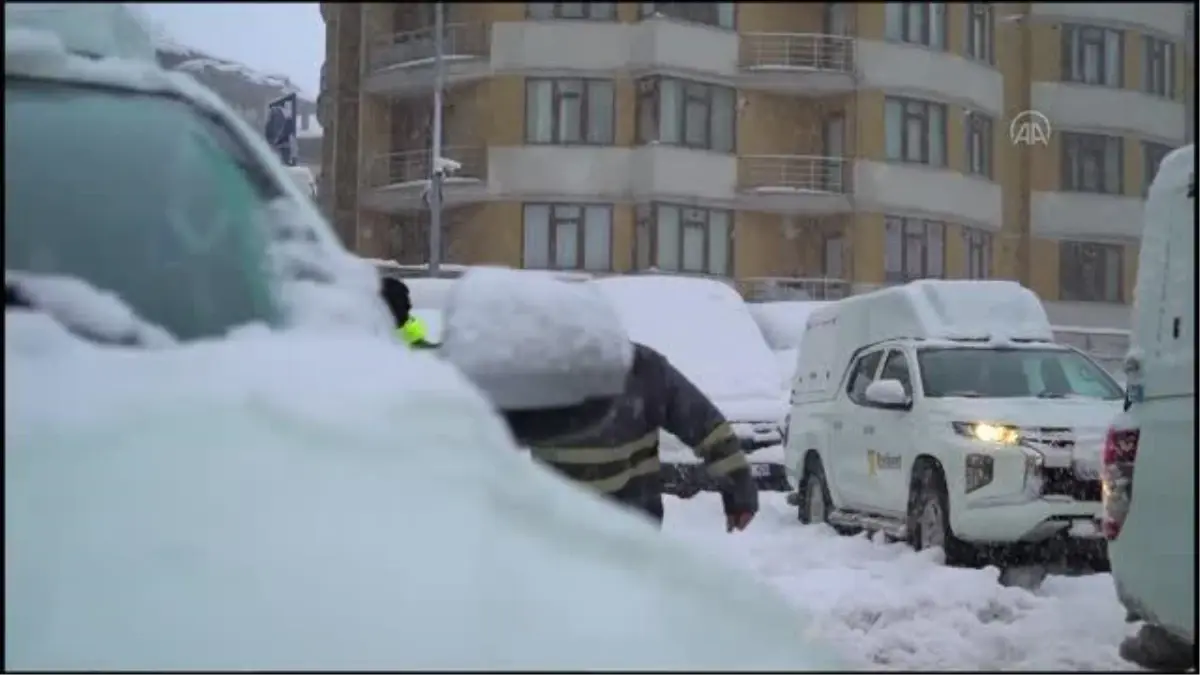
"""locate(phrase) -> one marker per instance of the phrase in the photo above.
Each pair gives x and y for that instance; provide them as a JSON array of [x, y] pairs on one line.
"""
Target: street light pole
[[435, 168]]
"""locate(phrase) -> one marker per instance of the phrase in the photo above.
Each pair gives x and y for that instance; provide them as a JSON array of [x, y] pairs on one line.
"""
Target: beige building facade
[[823, 147]]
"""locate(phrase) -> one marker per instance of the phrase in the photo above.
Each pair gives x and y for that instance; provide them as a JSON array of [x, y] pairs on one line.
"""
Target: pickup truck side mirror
[[888, 394]]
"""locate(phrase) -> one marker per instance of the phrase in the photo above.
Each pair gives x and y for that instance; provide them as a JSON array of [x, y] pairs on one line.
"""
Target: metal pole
[[435, 178]]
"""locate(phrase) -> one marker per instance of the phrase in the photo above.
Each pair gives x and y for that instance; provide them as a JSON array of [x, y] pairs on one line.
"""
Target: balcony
[[402, 63], [796, 62], [398, 180], [807, 184]]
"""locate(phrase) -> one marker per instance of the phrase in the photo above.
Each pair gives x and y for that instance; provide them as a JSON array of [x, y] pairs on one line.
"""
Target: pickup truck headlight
[[986, 432]]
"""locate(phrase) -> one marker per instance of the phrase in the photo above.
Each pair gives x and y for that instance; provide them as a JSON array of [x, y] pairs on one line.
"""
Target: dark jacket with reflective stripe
[[619, 457]]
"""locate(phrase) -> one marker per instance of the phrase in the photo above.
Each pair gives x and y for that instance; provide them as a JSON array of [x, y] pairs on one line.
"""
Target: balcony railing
[[769, 289], [410, 48], [413, 166], [796, 51], [782, 174]]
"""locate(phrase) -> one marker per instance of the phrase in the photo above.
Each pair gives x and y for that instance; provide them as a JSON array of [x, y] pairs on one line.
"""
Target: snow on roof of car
[[285, 500], [783, 322], [703, 327]]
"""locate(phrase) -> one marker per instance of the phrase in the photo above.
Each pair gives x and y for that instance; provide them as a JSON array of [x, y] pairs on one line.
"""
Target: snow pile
[[704, 328], [324, 286], [270, 502], [531, 341], [100, 29], [896, 609]]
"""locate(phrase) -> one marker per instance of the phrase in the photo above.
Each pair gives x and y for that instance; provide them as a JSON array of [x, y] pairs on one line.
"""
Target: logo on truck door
[[878, 461]]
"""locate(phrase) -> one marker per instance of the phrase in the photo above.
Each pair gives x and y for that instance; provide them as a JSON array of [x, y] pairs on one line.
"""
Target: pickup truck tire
[[929, 516]]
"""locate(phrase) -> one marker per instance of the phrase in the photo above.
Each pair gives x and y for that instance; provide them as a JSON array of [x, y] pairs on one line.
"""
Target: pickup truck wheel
[[929, 518]]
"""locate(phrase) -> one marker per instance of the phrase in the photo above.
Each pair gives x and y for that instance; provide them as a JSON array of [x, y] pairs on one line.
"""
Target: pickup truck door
[[850, 440], [891, 437]]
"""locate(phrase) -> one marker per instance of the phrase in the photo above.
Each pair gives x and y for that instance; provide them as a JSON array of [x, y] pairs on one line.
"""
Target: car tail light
[[1120, 451]]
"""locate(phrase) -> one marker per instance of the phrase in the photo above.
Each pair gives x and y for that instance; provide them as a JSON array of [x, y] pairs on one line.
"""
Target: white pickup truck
[[942, 413]]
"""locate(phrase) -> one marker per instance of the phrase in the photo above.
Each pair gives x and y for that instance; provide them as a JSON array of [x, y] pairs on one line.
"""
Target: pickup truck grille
[[1062, 482]]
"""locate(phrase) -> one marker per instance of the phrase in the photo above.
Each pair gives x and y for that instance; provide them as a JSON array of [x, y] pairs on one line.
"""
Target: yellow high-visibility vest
[[412, 332]]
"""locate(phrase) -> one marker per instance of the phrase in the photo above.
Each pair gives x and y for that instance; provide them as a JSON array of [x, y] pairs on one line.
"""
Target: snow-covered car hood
[[292, 501]]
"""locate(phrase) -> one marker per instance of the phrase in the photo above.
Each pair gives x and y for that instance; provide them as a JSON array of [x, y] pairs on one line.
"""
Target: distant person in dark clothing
[[619, 458], [409, 328]]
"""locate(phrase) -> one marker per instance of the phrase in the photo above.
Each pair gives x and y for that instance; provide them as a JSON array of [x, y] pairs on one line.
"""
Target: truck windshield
[[1013, 373]]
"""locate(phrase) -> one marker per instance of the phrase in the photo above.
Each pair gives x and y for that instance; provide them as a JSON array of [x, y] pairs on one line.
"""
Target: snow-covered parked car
[[216, 458], [782, 324], [943, 413], [704, 328]]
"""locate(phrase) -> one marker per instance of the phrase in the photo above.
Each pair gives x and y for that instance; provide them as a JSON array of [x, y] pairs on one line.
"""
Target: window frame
[[852, 375], [649, 97], [1074, 253], [1152, 156], [1075, 40], [921, 110], [647, 221], [981, 12], [927, 31], [983, 126], [681, 11], [586, 85], [1160, 59], [978, 246], [580, 222], [556, 11], [1075, 147], [902, 275]]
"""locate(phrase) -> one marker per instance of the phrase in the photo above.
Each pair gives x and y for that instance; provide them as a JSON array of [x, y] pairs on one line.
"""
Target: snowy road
[[888, 607]]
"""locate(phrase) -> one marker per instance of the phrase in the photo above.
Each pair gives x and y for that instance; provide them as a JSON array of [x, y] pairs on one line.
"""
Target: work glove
[[739, 496]]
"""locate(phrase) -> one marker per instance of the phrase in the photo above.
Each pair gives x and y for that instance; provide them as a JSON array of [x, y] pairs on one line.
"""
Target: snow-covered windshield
[[1012, 373], [139, 195]]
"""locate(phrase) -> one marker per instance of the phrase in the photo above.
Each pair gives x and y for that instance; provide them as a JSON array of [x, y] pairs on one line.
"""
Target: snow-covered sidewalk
[[887, 607]]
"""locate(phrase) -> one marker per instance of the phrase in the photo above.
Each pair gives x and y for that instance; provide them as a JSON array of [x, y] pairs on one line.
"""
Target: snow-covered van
[[1152, 536], [943, 412], [704, 328]]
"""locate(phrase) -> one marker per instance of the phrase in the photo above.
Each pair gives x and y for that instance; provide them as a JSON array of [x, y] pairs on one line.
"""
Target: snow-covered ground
[[887, 607]]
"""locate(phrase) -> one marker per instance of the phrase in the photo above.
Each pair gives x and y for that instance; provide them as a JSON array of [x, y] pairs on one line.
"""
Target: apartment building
[[829, 147]]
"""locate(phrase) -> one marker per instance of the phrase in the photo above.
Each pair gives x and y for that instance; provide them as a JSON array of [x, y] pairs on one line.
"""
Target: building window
[[567, 237], [691, 114], [682, 239], [597, 11], [1092, 163], [569, 111], [1091, 272], [720, 14], [978, 245], [915, 249], [915, 131], [1092, 55], [1158, 67], [980, 139], [833, 257], [981, 32], [921, 23], [1152, 155]]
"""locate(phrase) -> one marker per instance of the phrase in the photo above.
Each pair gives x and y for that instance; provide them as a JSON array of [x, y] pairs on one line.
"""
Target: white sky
[[275, 39]]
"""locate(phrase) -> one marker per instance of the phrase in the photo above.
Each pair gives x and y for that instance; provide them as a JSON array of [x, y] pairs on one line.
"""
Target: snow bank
[[531, 341], [888, 607], [704, 328], [270, 502]]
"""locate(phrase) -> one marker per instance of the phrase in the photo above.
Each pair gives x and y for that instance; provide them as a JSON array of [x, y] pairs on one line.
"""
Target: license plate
[[760, 470]]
